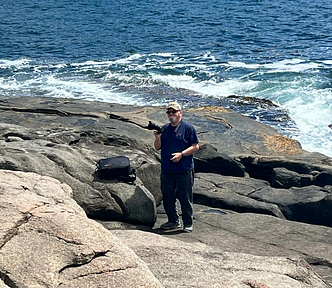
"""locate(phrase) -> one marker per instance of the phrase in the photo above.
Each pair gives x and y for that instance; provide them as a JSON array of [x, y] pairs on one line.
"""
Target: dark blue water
[[242, 30], [196, 52]]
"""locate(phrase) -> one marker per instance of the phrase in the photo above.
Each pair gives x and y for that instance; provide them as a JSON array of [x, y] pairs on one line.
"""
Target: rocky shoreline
[[263, 214]]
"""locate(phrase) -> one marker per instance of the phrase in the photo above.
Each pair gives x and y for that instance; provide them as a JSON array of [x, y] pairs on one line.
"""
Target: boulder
[[76, 167], [135, 200], [208, 160], [288, 171], [284, 178], [234, 134], [231, 193], [323, 178], [46, 240], [310, 204]]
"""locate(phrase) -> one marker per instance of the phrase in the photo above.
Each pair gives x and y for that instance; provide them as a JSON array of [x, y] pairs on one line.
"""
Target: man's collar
[[178, 126]]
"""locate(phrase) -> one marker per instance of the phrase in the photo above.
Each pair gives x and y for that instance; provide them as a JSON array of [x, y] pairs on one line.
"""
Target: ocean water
[[196, 52]]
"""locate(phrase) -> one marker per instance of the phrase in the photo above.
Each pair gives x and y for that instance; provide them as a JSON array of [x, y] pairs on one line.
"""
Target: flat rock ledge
[[46, 240], [180, 264]]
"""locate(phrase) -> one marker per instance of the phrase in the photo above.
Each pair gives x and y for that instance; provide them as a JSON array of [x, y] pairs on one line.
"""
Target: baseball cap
[[174, 105]]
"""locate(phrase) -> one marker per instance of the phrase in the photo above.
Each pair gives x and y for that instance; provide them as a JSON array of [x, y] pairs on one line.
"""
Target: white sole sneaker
[[188, 228]]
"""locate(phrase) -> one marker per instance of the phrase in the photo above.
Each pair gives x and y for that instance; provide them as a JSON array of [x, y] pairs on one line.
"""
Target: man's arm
[[190, 150], [187, 152], [157, 141]]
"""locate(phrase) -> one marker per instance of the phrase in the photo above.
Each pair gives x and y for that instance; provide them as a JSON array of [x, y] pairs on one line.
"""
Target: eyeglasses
[[171, 111]]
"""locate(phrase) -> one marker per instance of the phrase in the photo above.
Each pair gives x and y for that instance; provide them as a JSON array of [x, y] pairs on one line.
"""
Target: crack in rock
[[84, 259], [6, 279], [55, 112], [101, 272], [299, 278], [69, 241], [255, 284], [316, 261], [14, 231]]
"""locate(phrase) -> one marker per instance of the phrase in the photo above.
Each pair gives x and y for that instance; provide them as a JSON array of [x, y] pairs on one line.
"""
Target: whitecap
[[209, 87], [15, 63], [327, 62], [129, 59], [288, 65]]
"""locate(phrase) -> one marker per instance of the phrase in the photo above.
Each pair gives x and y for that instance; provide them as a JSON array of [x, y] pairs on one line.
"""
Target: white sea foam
[[8, 85], [163, 54], [96, 64], [122, 79], [311, 110], [208, 88], [129, 59], [290, 65], [51, 86], [16, 63], [86, 90]]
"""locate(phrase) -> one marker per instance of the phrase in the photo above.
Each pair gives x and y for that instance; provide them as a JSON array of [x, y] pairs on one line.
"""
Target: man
[[178, 142]]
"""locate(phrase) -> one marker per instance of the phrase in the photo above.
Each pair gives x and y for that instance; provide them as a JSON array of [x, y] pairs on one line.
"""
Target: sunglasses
[[171, 111]]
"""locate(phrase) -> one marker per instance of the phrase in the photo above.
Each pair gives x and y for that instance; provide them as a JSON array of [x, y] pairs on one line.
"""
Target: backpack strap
[[130, 178]]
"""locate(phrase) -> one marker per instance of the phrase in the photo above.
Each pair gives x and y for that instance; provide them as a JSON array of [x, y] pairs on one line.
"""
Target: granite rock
[[46, 240]]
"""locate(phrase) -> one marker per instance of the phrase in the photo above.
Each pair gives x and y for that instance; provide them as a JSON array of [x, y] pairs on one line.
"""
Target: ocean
[[274, 56]]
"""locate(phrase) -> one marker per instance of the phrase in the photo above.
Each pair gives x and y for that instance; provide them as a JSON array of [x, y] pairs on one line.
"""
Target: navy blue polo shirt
[[175, 140]]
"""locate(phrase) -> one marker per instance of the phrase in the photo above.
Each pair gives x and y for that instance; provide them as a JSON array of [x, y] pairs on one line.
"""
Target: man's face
[[173, 115]]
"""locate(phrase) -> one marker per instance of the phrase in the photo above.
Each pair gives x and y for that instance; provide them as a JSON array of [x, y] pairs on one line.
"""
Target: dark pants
[[178, 185]]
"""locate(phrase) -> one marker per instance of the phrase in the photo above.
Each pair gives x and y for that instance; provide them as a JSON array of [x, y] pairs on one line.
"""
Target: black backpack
[[116, 168]]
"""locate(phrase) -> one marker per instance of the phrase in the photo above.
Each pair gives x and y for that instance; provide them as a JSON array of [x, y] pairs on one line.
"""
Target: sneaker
[[188, 228], [170, 225]]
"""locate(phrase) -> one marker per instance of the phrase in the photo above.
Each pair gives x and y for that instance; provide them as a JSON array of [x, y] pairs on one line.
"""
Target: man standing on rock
[[178, 142]]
